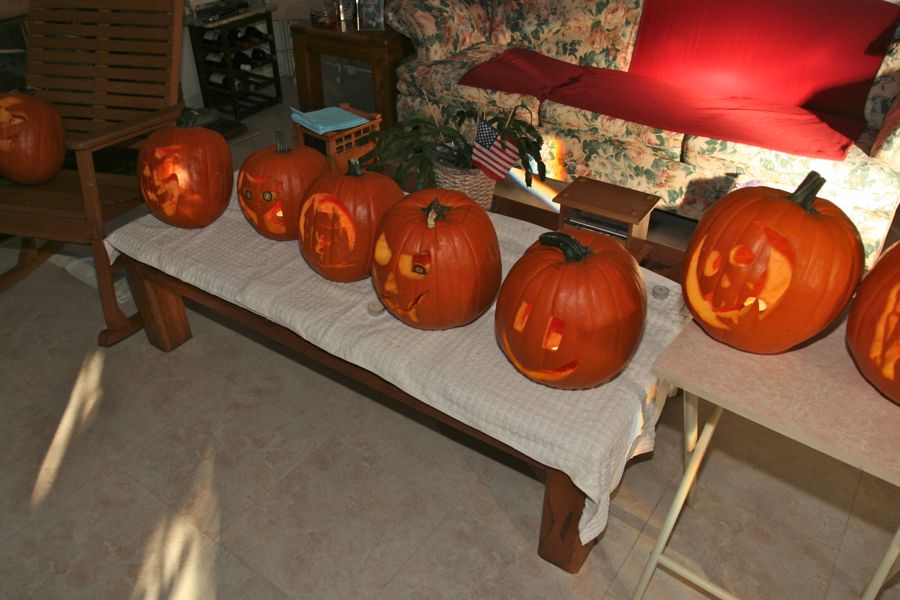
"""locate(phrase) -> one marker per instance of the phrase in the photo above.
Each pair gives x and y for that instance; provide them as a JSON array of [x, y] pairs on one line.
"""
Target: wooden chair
[[111, 68]]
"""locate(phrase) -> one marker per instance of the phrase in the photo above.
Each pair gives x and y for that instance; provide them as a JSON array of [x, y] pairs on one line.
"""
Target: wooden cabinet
[[382, 49], [237, 63]]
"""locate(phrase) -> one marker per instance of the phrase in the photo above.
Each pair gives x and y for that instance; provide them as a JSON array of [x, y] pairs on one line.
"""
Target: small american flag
[[490, 155]]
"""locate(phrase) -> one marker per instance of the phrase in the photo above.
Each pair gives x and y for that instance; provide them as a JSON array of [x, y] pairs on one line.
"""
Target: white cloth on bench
[[589, 435]]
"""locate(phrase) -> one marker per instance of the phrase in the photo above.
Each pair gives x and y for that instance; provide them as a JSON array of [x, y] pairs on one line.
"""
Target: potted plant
[[441, 155]]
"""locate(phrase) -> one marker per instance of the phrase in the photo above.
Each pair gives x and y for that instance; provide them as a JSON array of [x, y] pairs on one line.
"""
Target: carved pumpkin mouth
[[274, 219], [539, 374], [409, 310]]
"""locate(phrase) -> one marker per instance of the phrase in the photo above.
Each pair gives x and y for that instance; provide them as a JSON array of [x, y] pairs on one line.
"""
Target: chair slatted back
[[104, 61]]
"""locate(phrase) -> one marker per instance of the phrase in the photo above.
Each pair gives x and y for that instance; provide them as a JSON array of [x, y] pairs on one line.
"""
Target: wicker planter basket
[[472, 182]]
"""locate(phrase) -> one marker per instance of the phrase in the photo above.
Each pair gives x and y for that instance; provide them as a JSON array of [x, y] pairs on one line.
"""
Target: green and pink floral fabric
[[689, 173]]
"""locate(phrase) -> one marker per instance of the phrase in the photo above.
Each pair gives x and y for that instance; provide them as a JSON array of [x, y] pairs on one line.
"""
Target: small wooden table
[[383, 49], [814, 395]]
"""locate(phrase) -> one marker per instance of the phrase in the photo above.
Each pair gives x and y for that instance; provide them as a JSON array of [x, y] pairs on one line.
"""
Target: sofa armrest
[[439, 28], [887, 144]]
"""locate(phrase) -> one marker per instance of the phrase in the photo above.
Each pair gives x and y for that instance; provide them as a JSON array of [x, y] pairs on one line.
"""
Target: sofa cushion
[[820, 54], [663, 105], [597, 33]]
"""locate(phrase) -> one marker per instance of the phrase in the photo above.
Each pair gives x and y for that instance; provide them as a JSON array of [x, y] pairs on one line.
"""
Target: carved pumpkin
[[571, 310], [32, 139], [185, 175], [766, 270], [271, 185], [437, 260], [338, 221], [873, 326]]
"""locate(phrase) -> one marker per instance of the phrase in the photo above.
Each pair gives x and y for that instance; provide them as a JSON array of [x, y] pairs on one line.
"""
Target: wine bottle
[[240, 60], [253, 36], [214, 58], [212, 37], [260, 56]]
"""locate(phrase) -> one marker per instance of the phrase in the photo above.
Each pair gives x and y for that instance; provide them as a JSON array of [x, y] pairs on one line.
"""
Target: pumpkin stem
[[435, 212], [281, 146], [353, 168], [805, 194], [571, 248]]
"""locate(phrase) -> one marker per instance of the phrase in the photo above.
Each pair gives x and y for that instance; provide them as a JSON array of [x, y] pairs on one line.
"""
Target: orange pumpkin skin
[[338, 221], [766, 270], [570, 315], [873, 326], [32, 139], [437, 260], [271, 185], [185, 175]]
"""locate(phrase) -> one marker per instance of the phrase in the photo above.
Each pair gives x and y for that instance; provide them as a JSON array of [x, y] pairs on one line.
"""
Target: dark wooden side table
[[383, 49]]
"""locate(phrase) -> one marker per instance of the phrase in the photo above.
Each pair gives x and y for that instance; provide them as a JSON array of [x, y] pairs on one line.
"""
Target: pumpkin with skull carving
[[338, 220], [436, 262], [766, 270], [185, 175], [873, 326], [571, 310], [271, 185]]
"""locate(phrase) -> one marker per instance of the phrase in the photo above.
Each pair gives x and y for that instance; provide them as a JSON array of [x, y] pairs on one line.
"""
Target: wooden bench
[[190, 264]]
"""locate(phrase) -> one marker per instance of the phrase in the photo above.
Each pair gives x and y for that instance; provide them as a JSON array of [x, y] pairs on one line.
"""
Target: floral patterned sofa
[[689, 172]]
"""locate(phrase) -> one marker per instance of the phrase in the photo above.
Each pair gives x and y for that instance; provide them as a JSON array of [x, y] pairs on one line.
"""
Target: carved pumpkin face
[[271, 185], [436, 263], [185, 175], [766, 270], [338, 221], [32, 139], [571, 310], [873, 325]]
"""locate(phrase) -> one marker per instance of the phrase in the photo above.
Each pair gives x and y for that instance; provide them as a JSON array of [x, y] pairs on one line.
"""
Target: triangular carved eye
[[553, 335]]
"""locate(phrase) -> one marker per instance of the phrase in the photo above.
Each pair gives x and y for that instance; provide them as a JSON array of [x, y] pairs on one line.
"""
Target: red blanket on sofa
[[790, 76]]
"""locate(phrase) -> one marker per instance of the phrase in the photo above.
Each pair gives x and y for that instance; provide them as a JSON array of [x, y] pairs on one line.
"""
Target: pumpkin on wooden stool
[[571, 310], [766, 270], [185, 175], [271, 185], [338, 221], [873, 326], [32, 139], [437, 260]]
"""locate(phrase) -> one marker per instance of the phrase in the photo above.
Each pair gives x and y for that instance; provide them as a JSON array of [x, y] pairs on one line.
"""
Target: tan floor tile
[[434, 458], [217, 462], [738, 549], [465, 559], [114, 539], [782, 479], [336, 527]]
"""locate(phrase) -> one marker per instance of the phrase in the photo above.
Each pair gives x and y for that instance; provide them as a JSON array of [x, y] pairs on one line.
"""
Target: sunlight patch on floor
[[87, 393]]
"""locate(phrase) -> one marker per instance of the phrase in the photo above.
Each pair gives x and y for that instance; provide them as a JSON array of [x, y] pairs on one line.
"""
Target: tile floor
[[226, 469]]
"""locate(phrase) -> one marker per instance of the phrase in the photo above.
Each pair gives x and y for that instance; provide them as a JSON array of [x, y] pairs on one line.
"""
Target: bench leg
[[559, 542], [163, 312]]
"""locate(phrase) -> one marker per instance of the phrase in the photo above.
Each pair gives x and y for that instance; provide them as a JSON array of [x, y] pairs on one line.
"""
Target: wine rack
[[237, 63]]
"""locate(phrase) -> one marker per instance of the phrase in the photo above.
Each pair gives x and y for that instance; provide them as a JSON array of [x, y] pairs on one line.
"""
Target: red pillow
[[819, 54]]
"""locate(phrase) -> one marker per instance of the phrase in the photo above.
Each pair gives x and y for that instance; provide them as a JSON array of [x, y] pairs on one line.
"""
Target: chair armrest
[[124, 131], [439, 28], [887, 144]]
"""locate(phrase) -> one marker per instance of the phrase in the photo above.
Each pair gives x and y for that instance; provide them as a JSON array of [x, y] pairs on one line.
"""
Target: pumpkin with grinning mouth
[[571, 310], [766, 270], [436, 262]]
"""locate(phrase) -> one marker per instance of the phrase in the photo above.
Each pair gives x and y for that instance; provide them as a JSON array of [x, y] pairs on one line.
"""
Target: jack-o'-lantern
[[873, 326], [338, 221], [32, 139], [185, 175], [766, 270], [571, 310], [437, 260], [271, 185]]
